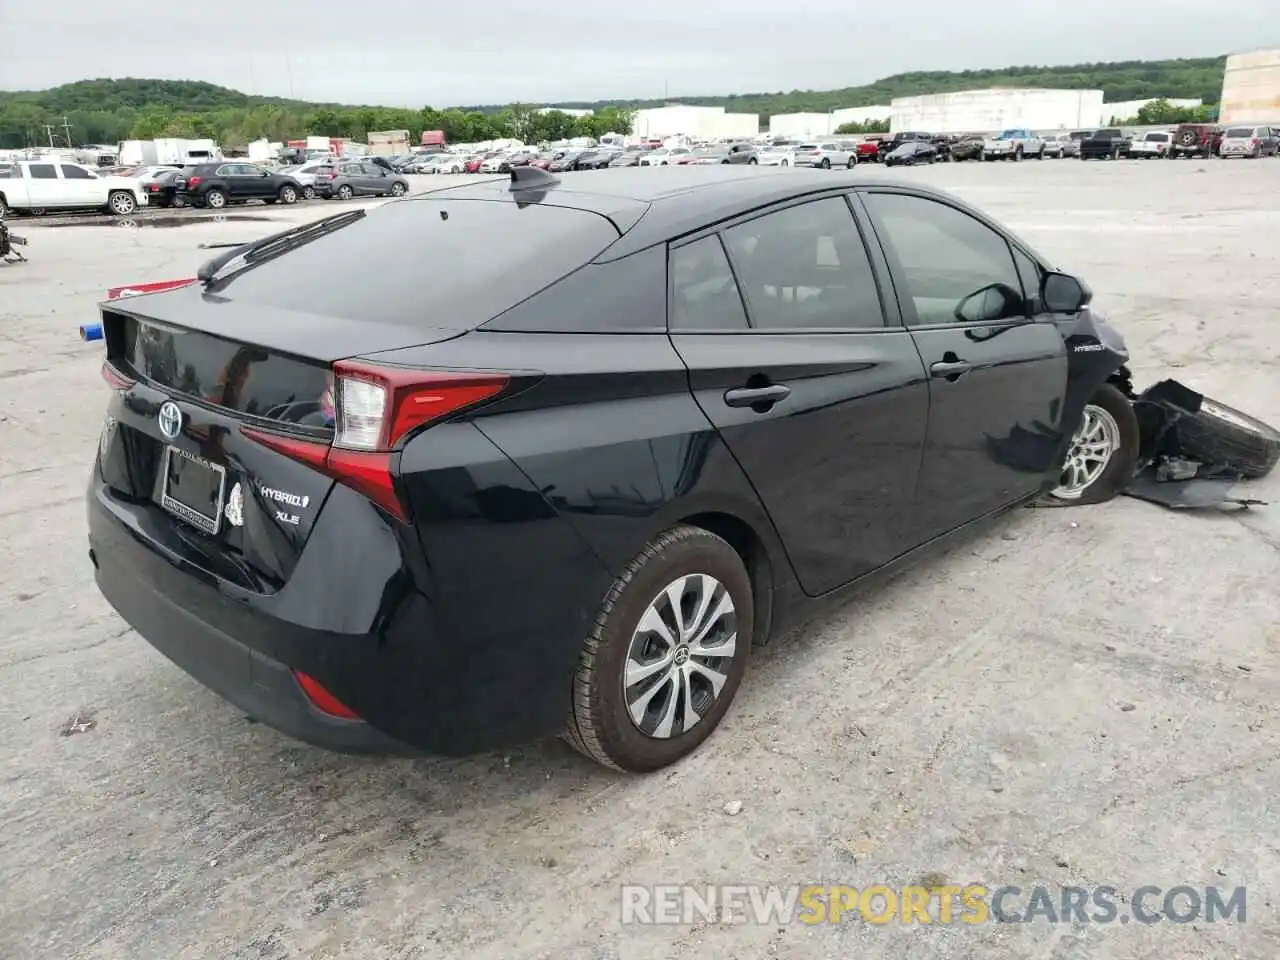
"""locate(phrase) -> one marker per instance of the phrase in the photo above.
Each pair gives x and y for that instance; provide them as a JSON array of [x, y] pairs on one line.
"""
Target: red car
[[868, 151], [473, 165]]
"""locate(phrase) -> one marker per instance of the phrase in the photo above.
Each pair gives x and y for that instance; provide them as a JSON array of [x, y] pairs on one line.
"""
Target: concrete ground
[[1080, 697]]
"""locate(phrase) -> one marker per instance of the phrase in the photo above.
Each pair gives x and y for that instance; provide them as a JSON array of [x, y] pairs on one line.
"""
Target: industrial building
[[1126, 109], [1251, 88], [999, 108], [678, 119], [821, 124]]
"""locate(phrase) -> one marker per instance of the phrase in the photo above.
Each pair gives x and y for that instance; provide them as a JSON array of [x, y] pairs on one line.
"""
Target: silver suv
[[825, 154]]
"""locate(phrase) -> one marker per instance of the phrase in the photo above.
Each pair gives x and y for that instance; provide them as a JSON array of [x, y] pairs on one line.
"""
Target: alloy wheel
[[679, 657], [1092, 447]]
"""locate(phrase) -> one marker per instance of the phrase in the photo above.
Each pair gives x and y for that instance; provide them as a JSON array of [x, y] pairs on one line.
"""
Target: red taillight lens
[[193, 182], [1255, 142], [322, 699], [153, 187], [115, 379], [375, 408]]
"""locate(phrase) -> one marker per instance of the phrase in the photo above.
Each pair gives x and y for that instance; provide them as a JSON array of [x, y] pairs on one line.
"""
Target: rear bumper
[[192, 624]]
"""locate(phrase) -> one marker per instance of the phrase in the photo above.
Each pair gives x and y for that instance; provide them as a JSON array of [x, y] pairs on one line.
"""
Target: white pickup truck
[[1013, 145], [41, 186]]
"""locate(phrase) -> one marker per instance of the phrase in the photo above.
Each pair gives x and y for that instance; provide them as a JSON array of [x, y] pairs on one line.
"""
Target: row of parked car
[[219, 184]]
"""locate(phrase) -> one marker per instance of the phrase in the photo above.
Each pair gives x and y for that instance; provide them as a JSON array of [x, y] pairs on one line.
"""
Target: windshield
[[1240, 133], [807, 146]]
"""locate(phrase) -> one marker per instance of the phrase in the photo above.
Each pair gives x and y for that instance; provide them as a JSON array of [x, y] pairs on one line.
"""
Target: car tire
[[783, 163], [1223, 435], [288, 194], [398, 189], [121, 203], [753, 162], [1108, 416], [850, 164], [215, 199], [308, 193], [826, 163], [345, 192], [704, 574]]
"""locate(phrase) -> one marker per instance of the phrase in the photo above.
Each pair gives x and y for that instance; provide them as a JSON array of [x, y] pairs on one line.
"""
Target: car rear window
[[433, 261], [1239, 133]]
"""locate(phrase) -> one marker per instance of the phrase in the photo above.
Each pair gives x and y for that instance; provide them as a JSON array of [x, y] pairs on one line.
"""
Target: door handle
[[950, 369], [751, 396]]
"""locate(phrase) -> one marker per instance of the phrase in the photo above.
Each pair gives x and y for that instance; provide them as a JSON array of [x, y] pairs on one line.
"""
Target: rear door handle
[[750, 396], [950, 369]]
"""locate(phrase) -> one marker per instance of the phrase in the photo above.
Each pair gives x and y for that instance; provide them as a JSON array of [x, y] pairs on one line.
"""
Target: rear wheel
[[288, 194], [345, 192], [215, 199], [826, 163], [1103, 450], [852, 160], [666, 656], [308, 193]]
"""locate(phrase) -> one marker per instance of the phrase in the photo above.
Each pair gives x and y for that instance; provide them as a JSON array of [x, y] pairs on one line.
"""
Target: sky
[[461, 52]]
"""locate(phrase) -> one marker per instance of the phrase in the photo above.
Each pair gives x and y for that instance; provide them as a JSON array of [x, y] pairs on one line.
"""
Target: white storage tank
[[1251, 88]]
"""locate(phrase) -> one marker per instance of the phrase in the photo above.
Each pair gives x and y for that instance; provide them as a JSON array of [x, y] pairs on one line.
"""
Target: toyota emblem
[[170, 419]]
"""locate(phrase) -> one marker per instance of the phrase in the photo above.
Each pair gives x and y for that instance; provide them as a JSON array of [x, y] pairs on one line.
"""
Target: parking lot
[[1080, 696]]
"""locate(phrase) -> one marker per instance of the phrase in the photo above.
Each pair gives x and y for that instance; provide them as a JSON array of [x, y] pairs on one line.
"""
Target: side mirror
[[1063, 293], [996, 301]]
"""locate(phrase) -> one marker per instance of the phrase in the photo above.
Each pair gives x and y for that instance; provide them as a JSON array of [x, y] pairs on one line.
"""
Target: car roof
[[653, 206]]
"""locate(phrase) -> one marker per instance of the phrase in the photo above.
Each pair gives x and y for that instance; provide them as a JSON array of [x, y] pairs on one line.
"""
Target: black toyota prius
[[526, 458]]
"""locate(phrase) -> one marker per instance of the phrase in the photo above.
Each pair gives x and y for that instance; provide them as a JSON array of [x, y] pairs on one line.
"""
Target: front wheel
[[1103, 452], [666, 655], [398, 189], [288, 194], [783, 163]]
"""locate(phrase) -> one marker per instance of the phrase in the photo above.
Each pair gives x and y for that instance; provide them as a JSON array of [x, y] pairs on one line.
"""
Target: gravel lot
[[1083, 696]]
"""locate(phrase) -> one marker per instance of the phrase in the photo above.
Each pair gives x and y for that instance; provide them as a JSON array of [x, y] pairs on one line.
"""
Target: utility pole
[[67, 127], [48, 128]]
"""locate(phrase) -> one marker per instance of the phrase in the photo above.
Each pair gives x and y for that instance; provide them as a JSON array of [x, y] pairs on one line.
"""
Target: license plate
[[192, 489]]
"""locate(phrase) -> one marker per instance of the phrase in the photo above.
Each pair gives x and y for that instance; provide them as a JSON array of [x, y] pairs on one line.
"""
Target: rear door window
[[806, 267], [43, 171]]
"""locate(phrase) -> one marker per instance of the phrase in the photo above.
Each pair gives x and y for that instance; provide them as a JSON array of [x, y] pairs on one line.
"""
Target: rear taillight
[[375, 408], [193, 182], [1255, 142], [115, 379], [153, 187], [322, 699]]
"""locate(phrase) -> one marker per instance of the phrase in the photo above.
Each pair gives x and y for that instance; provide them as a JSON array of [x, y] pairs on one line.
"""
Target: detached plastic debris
[[1193, 451]]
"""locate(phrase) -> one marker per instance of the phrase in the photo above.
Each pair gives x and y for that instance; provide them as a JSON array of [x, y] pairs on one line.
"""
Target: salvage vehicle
[[911, 153], [1250, 142], [393, 503], [825, 154], [1151, 145], [162, 189], [967, 148], [1062, 145], [1106, 144], [1196, 140], [215, 185], [37, 187], [358, 178], [1013, 145]]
